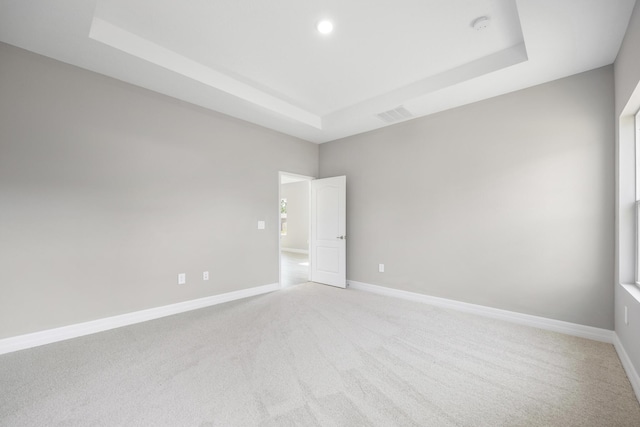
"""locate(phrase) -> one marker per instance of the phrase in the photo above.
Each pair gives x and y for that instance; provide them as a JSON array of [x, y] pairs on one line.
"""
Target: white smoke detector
[[480, 24]]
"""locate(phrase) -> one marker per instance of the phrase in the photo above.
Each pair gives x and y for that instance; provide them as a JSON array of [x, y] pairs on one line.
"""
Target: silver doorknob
[[341, 237]]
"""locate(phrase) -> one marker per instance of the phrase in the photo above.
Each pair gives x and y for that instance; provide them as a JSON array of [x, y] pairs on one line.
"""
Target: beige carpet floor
[[314, 355]]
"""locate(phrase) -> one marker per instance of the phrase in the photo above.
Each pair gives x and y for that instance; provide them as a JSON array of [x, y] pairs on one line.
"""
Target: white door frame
[[302, 178]]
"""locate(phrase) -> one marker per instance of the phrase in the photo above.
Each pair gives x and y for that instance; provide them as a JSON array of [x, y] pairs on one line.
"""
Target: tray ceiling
[[266, 63]]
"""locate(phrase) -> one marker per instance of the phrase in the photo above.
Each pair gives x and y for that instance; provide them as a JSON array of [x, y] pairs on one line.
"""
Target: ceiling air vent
[[395, 115]]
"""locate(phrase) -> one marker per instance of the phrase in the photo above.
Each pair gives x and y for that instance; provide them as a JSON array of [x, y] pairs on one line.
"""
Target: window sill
[[633, 290]]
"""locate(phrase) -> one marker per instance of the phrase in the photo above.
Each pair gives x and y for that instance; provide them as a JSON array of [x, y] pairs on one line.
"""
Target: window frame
[[636, 145]]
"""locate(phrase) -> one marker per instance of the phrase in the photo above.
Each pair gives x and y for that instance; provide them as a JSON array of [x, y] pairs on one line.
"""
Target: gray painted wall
[[108, 191], [297, 195], [627, 79], [505, 203]]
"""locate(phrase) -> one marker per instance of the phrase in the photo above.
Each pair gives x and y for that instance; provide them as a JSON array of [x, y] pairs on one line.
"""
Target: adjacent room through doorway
[[294, 229]]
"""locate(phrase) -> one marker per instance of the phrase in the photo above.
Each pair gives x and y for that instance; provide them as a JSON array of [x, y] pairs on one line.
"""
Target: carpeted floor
[[315, 355]]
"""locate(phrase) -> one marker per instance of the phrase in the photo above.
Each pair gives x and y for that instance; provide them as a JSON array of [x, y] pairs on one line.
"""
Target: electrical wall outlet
[[381, 268], [182, 278], [205, 275], [626, 316], [261, 225]]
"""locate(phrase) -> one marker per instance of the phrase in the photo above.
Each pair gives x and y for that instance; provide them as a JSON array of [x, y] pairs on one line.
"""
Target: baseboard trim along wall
[[36, 339], [634, 378], [574, 329], [295, 251], [568, 328]]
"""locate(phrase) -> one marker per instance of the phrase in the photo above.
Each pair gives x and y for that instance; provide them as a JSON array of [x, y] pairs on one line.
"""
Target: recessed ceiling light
[[325, 27]]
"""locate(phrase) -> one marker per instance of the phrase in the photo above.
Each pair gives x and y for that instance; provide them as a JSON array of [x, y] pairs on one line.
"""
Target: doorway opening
[[294, 217]]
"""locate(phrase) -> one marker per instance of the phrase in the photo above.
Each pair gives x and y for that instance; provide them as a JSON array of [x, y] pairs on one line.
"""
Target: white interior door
[[328, 248]]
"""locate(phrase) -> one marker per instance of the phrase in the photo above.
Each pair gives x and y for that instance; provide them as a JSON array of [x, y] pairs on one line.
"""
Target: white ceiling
[[264, 61]]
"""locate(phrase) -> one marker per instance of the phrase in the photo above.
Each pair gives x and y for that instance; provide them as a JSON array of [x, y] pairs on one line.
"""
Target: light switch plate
[[260, 225]]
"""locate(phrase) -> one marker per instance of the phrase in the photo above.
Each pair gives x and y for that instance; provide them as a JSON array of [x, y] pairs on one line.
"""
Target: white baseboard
[[634, 378], [568, 328], [35, 339], [295, 251]]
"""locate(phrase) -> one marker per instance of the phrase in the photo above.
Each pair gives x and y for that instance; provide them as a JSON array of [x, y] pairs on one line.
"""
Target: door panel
[[328, 231]]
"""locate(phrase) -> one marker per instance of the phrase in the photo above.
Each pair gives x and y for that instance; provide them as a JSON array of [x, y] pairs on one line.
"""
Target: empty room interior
[[353, 213]]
